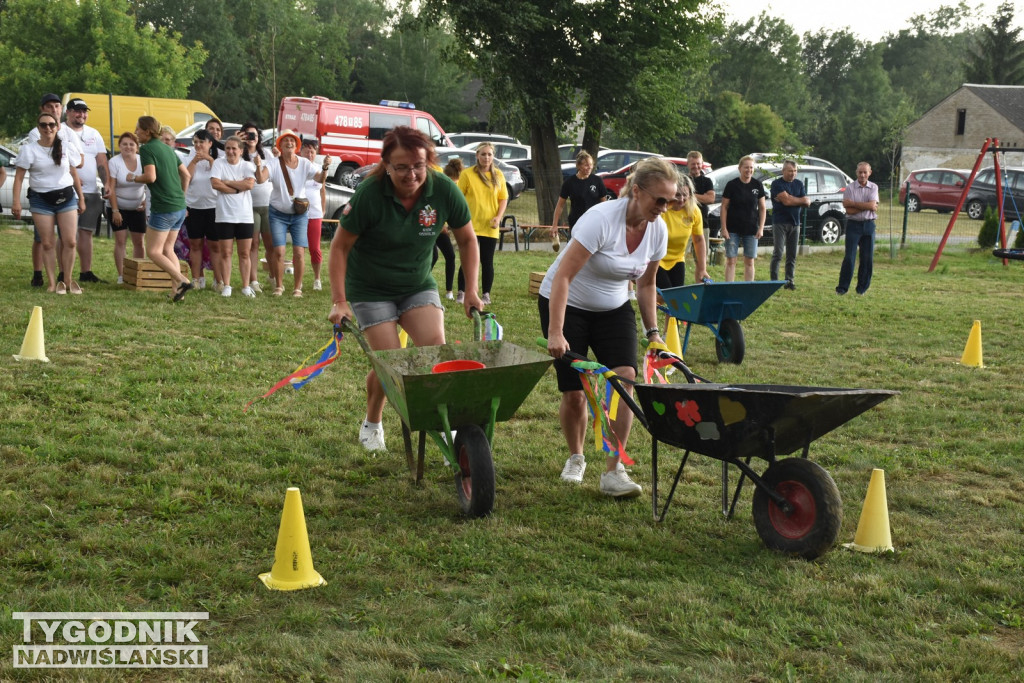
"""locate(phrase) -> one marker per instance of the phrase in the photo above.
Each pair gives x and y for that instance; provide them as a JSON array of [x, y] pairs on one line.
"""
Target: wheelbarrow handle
[[677, 362], [350, 327]]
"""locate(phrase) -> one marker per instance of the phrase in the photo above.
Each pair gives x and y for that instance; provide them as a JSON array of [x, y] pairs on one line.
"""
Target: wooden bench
[[509, 224]]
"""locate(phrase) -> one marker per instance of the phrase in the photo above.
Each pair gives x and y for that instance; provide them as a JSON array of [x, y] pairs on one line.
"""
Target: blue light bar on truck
[[396, 103]]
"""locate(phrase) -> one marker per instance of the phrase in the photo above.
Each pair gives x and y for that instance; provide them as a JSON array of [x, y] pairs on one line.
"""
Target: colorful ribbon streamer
[[604, 438], [304, 374]]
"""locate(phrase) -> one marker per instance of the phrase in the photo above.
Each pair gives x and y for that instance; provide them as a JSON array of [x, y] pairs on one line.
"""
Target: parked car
[[609, 160], [826, 217], [800, 159], [933, 188], [504, 151], [616, 180], [7, 157], [514, 182], [982, 194], [466, 139]]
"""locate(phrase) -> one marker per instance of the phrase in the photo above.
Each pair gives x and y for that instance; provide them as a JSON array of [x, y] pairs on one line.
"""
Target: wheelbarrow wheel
[[474, 477], [812, 526], [729, 345]]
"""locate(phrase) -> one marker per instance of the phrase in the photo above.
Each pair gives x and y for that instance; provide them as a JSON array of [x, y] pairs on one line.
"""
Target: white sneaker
[[460, 298], [574, 468], [120, 279], [289, 270], [202, 282], [486, 299], [247, 291], [449, 296], [618, 484], [255, 286], [372, 439], [317, 286], [195, 283], [217, 287], [226, 291]]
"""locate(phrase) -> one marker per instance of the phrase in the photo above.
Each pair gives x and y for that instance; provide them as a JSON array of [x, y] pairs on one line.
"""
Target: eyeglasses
[[658, 201], [43, 125], [404, 170]]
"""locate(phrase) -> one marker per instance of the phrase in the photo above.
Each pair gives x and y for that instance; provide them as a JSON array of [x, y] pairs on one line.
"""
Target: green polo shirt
[[166, 193], [391, 259]]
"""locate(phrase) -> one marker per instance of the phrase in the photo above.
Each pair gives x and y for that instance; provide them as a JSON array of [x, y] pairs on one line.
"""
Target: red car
[[933, 188], [614, 181]]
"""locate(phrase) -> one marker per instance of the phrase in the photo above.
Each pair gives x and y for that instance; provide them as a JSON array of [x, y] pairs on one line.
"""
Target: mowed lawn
[[131, 480]]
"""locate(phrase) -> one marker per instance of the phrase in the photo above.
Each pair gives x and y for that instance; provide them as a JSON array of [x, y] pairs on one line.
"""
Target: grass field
[[133, 481]]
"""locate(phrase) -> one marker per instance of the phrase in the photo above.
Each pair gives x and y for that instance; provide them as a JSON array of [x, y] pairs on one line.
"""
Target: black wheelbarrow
[[719, 306], [796, 504]]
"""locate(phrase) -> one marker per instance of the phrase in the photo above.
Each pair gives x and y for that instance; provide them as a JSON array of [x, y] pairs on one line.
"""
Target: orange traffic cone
[[33, 347], [293, 561], [972, 352], [873, 529]]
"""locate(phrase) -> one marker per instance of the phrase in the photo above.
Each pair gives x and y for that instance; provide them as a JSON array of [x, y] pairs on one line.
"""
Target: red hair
[[404, 137]]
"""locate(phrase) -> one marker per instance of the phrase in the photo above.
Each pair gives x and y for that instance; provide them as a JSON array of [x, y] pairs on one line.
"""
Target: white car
[[7, 158], [504, 151]]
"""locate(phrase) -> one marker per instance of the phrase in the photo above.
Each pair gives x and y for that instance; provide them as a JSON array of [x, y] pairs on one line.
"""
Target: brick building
[[950, 134]]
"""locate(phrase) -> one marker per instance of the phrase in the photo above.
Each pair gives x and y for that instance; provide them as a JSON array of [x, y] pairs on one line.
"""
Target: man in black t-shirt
[[583, 190], [703, 188]]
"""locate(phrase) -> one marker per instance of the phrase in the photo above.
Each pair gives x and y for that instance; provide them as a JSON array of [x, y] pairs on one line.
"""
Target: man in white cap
[[49, 104], [93, 173]]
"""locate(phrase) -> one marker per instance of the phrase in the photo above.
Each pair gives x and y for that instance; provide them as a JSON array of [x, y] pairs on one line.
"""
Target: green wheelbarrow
[[454, 394]]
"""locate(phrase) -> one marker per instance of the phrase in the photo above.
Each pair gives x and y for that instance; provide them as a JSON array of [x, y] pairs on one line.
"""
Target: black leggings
[[486, 246], [444, 243]]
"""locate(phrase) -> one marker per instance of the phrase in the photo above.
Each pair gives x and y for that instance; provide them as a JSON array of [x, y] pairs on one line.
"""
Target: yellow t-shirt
[[483, 199], [681, 224]]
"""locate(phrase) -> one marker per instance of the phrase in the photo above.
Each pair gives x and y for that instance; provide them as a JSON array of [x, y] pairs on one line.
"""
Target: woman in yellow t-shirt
[[684, 220], [487, 196]]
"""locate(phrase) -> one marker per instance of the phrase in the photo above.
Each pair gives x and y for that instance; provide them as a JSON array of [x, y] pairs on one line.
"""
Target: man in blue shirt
[[788, 197]]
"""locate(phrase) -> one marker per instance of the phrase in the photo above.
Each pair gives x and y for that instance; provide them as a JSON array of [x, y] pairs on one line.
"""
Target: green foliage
[[989, 231], [1018, 241], [997, 57], [731, 127], [89, 46]]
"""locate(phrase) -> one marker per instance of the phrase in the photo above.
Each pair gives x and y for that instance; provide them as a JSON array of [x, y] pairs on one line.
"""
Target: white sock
[[371, 426]]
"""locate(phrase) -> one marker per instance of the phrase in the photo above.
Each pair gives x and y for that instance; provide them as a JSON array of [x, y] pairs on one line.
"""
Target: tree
[[90, 46], [592, 57], [998, 54]]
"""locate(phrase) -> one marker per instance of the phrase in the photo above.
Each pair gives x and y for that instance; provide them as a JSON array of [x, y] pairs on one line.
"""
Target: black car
[[514, 182], [982, 194], [826, 217]]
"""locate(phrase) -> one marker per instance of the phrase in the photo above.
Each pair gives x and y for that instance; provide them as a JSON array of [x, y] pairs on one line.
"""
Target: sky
[[868, 19]]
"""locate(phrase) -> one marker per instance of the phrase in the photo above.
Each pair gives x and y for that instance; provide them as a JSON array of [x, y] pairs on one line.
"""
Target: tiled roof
[[1008, 100]]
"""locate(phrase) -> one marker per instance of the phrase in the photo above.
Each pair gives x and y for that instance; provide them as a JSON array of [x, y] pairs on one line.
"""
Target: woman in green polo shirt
[[380, 258]]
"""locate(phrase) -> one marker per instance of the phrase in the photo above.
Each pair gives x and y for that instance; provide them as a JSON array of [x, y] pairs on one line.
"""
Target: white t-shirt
[[261, 191], [313, 194], [200, 194], [91, 143], [602, 282], [130, 196], [44, 175], [66, 135], [231, 207], [279, 198]]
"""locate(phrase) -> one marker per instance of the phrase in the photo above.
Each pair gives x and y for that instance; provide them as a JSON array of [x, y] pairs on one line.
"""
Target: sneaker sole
[[623, 494]]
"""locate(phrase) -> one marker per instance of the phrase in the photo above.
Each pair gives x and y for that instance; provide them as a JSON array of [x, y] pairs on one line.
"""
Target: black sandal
[[182, 290]]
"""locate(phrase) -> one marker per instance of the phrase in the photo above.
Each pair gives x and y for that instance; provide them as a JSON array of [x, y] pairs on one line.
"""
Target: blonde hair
[[650, 169], [584, 155], [167, 129], [690, 203], [492, 180]]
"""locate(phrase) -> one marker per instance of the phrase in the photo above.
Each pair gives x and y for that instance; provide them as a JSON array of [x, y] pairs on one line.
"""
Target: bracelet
[[337, 303], [651, 332]]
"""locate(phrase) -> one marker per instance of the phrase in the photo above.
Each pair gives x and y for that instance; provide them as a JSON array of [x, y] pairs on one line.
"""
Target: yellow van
[[112, 115]]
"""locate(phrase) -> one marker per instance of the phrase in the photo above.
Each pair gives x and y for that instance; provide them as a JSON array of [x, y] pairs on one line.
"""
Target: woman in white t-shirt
[[126, 202], [201, 200], [55, 198], [317, 195], [232, 179], [254, 152], [584, 304]]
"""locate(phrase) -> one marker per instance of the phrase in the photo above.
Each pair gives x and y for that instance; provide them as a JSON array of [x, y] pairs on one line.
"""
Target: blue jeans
[[860, 235], [283, 224]]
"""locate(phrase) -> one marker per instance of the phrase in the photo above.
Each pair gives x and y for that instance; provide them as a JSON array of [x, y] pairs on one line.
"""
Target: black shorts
[[612, 335], [230, 231], [673, 277], [200, 223], [132, 220]]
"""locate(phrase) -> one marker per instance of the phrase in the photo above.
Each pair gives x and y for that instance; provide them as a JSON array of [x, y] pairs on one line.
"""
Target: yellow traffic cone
[[33, 347], [972, 352], [672, 337], [293, 562], [873, 529]]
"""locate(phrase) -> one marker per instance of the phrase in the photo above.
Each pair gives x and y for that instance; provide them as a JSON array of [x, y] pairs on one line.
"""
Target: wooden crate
[[535, 280], [142, 275]]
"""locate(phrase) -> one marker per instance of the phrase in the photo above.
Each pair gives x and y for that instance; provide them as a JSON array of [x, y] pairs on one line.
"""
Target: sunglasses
[[44, 125], [658, 201]]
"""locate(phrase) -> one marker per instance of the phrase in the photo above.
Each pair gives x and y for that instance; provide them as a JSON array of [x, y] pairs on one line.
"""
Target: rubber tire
[[732, 347], [342, 173], [830, 231], [814, 525], [975, 209], [474, 478], [913, 203]]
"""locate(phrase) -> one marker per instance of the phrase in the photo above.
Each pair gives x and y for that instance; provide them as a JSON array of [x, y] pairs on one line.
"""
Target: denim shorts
[[370, 313], [732, 246], [166, 222], [36, 204], [284, 224]]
